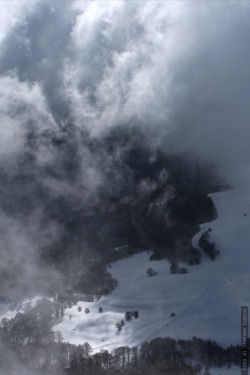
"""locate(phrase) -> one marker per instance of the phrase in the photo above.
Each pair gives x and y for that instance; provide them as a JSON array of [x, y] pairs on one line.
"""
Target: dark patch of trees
[[30, 347], [150, 272], [96, 281], [208, 247], [131, 314], [174, 268], [122, 211], [192, 208], [194, 257], [127, 317], [119, 326]]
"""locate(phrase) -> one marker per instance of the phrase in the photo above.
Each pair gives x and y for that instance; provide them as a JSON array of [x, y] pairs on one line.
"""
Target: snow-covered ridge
[[206, 301]]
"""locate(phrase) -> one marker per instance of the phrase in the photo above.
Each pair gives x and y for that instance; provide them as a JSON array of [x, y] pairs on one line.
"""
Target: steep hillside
[[203, 302]]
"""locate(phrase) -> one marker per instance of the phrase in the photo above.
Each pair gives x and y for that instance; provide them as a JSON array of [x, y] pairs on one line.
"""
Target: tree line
[[30, 346]]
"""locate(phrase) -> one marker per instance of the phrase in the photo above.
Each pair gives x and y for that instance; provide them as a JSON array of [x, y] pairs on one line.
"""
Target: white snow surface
[[206, 301], [232, 370]]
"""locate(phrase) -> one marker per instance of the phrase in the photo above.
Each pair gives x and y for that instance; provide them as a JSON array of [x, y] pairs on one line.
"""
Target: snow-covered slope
[[232, 370], [206, 301]]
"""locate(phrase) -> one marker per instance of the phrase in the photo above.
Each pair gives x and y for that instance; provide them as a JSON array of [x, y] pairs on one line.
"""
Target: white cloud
[[23, 107], [180, 68], [11, 12]]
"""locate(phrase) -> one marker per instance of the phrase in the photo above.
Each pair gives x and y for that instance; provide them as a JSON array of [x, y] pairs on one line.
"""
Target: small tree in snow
[[136, 314], [128, 315], [183, 270], [174, 268], [118, 327], [150, 272]]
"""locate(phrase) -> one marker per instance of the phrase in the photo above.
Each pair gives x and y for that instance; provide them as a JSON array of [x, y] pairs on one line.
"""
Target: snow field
[[206, 301]]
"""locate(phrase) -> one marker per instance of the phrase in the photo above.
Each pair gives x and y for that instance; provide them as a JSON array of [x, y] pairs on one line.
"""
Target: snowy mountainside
[[205, 302]]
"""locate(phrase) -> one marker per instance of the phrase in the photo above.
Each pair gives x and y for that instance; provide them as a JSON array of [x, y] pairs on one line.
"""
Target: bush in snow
[[174, 268], [150, 272], [208, 248], [131, 314], [183, 270], [119, 326], [136, 314], [128, 315]]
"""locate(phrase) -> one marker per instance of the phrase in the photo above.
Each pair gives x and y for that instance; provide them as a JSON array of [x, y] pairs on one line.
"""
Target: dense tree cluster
[[208, 247], [33, 326], [127, 317], [119, 326], [150, 272], [159, 356], [153, 200], [131, 314], [174, 268], [125, 210], [30, 346]]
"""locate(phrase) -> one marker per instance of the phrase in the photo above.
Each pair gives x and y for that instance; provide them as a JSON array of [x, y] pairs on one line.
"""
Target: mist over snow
[[206, 300], [96, 98], [71, 72]]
